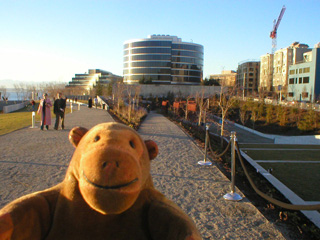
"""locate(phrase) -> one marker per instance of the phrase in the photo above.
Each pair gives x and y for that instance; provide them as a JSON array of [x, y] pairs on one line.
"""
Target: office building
[[248, 77], [226, 78], [304, 77], [162, 59], [89, 80]]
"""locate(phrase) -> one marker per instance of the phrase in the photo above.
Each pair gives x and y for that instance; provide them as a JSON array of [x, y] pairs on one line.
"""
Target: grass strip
[[299, 155], [301, 178], [279, 146], [22, 118]]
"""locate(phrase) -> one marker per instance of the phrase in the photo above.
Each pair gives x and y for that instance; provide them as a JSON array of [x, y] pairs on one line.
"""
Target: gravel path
[[32, 160], [199, 190]]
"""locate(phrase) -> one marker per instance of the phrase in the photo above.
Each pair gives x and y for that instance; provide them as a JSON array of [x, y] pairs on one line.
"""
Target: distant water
[[12, 95]]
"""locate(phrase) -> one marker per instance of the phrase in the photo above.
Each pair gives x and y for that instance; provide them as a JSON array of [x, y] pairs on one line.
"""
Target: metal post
[[78, 106], [71, 106], [33, 120], [205, 161], [233, 196]]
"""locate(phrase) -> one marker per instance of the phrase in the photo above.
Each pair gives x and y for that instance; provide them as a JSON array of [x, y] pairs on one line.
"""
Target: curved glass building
[[162, 59]]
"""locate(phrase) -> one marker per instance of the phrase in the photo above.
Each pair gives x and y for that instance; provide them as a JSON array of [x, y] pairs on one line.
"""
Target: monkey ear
[[76, 134], [152, 149]]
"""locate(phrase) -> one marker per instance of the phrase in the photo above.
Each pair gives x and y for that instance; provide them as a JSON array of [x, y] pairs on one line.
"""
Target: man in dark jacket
[[59, 107]]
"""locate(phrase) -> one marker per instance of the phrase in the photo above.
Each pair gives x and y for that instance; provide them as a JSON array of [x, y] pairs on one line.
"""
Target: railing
[[235, 150]]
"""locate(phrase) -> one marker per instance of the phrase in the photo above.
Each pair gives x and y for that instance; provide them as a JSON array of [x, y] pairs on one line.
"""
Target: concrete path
[[33, 160], [242, 134]]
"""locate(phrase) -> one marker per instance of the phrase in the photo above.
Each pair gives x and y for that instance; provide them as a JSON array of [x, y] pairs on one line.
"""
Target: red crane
[[273, 33]]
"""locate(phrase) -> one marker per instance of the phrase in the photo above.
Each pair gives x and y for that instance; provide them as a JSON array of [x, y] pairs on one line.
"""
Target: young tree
[[18, 90], [4, 94], [243, 112], [137, 94], [254, 113], [118, 94], [202, 104], [227, 99], [185, 108], [31, 91]]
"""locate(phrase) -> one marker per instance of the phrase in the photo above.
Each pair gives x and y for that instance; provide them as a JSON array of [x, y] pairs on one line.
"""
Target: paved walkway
[[33, 160], [242, 135]]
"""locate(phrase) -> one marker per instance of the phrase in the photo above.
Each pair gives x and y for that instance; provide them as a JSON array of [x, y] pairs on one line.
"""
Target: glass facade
[[162, 59]]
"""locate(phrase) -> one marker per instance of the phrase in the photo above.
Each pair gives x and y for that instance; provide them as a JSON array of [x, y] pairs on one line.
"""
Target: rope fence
[[233, 195], [270, 199]]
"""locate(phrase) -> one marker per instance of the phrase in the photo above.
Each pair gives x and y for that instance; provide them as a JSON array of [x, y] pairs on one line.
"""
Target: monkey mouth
[[109, 187]]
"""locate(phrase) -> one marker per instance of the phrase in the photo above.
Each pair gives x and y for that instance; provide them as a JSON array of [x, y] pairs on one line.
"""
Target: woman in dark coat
[[90, 103]]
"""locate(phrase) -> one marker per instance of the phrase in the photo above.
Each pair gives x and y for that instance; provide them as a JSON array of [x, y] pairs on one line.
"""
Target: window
[[290, 94], [291, 80], [306, 70], [292, 72], [187, 47], [306, 80], [304, 94], [300, 70], [300, 80]]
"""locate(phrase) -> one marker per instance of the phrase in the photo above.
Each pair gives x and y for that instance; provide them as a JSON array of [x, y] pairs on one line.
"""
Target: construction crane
[[273, 33]]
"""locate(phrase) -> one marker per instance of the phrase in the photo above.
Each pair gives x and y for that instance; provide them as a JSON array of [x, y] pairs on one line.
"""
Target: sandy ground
[[33, 160]]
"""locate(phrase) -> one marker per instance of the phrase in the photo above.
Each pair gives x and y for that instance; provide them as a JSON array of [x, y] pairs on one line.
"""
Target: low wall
[[8, 103], [184, 90], [14, 107], [278, 139]]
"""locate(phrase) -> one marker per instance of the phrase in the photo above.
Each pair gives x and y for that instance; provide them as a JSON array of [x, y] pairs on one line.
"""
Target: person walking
[[96, 102], [59, 107], [33, 104], [44, 110], [90, 103]]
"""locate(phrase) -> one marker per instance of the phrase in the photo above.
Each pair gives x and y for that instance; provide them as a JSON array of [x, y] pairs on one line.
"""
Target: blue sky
[[53, 40]]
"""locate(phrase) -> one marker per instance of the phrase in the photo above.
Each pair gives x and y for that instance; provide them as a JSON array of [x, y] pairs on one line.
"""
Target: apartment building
[[304, 77], [266, 73], [282, 59], [226, 78], [248, 77]]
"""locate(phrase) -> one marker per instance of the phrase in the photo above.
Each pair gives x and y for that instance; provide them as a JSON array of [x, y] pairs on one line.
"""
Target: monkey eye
[[132, 144], [97, 138]]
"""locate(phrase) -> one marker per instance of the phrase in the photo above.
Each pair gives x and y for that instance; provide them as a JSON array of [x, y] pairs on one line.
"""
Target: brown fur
[[107, 194]]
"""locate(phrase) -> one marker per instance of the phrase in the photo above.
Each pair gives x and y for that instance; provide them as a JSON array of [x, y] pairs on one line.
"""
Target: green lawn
[[301, 178], [300, 155], [14, 121], [22, 118], [279, 146]]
